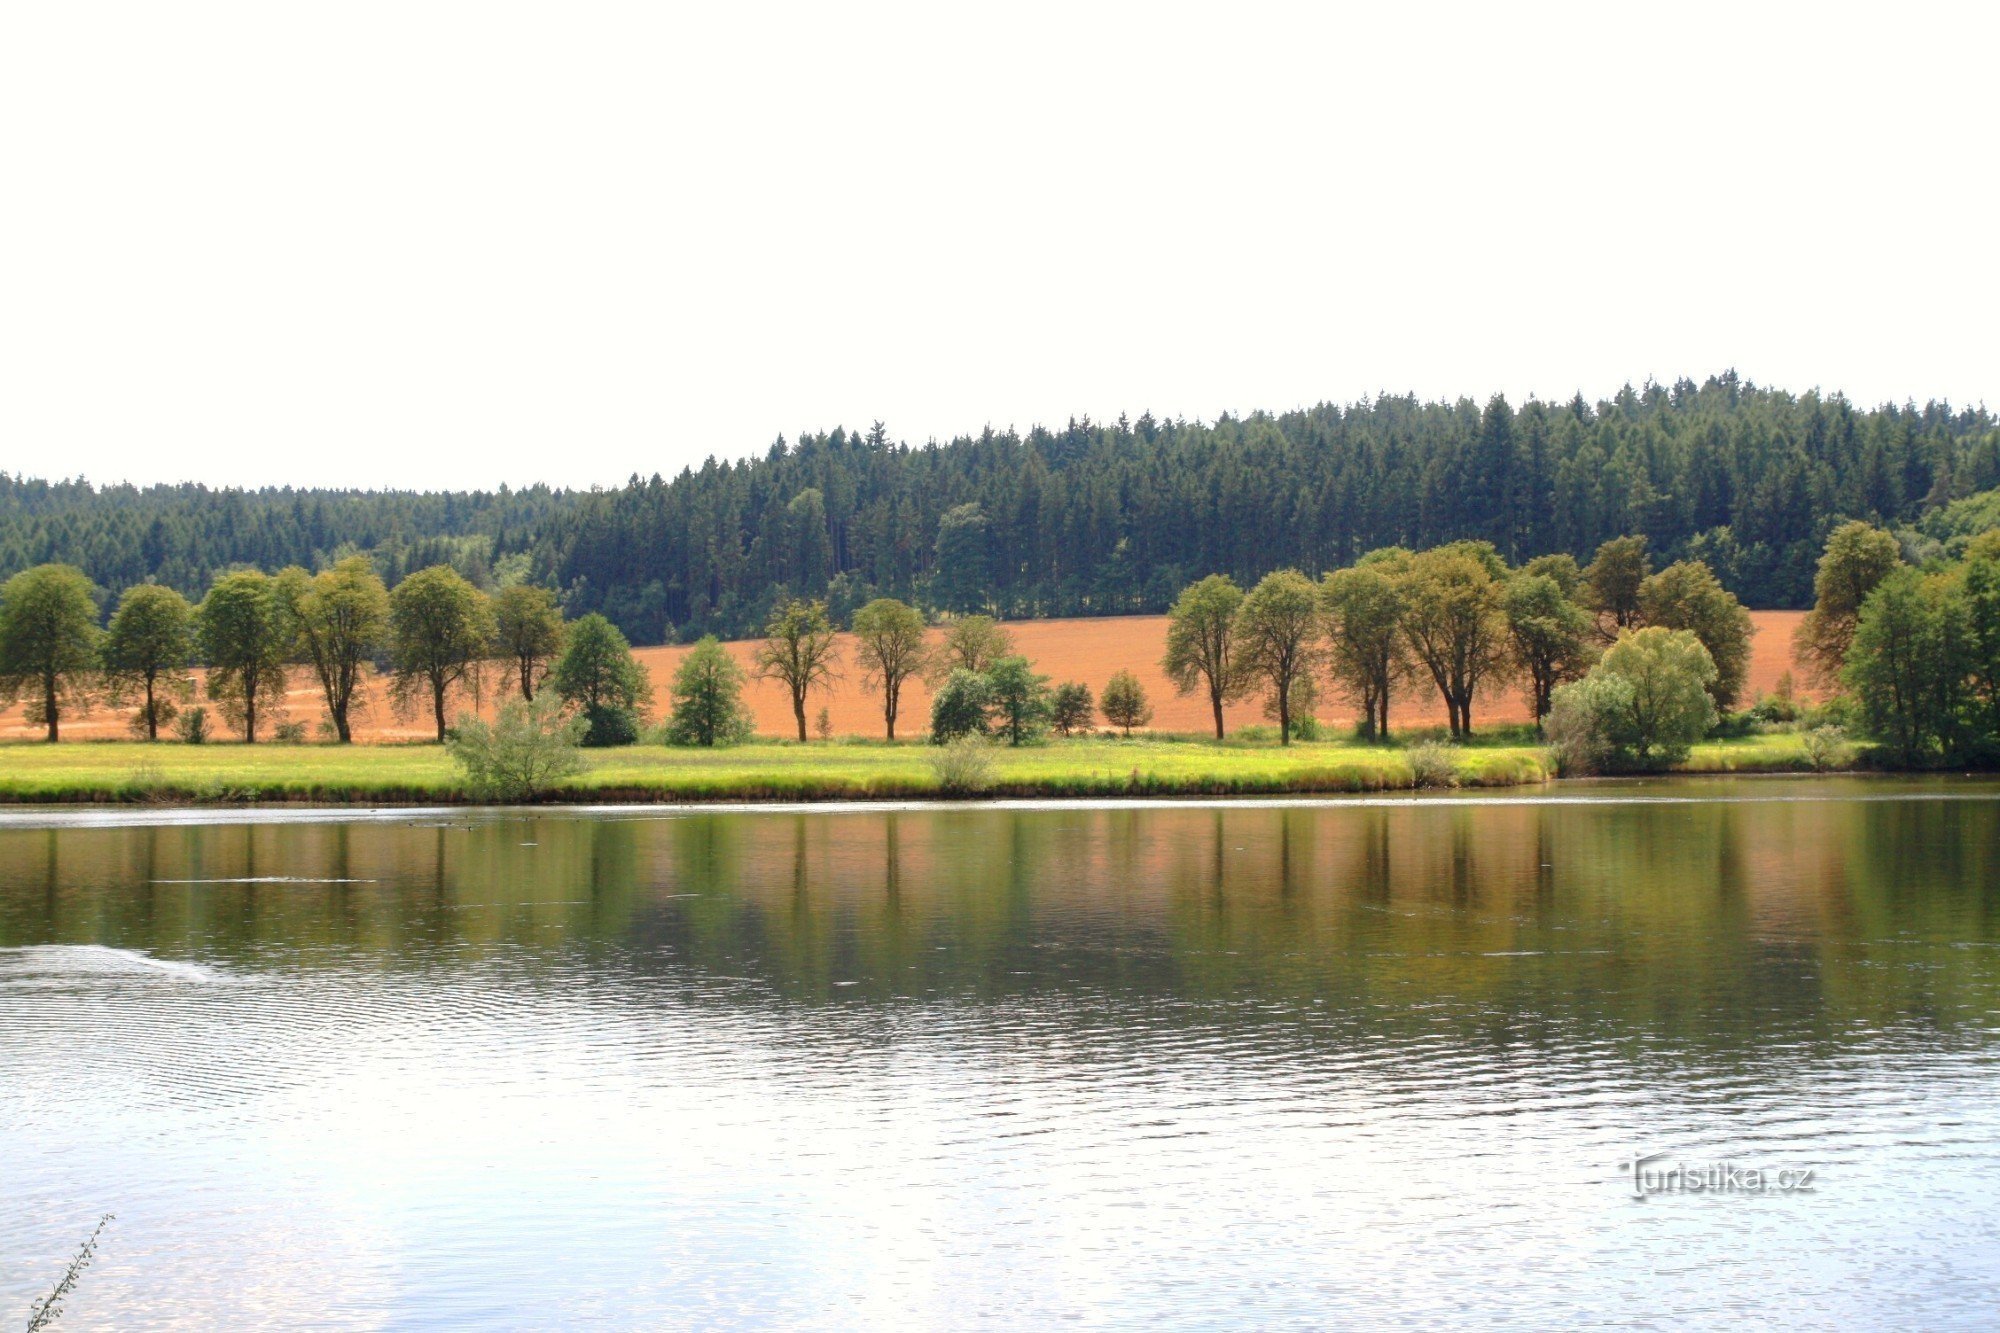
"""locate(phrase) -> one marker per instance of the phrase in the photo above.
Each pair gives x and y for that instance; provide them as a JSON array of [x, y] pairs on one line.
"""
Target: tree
[[1456, 627], [960, 707], [1687, 596], [147, 648], [1611, 582], [1365, 652], [1124, 702], [1642, 706], [1201, 642], [1910, 666], [528, 628], [889, 641], [708, 698], [1857, 558], [48, 643], [1278, 633], [1552, 636], [528, 749], [961, 581], [971, 643], [1561, 567], [1072, 709], [799, 649], [1019, 699], [598, 676], [439, 628], [341, 618], [1980, 589], [246, 634]]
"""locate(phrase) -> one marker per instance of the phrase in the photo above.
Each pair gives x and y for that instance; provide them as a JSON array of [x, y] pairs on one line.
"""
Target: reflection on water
[[1196, 1065]]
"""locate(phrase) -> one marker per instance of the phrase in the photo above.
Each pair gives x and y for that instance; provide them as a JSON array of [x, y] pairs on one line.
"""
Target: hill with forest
[[1100, 518]]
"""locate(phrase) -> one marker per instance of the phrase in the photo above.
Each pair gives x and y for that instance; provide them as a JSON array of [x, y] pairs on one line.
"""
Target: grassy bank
[[125, 772]]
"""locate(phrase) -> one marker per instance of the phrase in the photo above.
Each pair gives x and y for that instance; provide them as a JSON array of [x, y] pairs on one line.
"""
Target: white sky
[[441, 244]]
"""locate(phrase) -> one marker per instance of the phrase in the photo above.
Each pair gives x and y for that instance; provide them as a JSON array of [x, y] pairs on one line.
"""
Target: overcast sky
[[442, 244]]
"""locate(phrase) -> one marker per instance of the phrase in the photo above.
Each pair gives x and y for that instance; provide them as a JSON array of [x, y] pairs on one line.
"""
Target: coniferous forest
[[1097, 518]]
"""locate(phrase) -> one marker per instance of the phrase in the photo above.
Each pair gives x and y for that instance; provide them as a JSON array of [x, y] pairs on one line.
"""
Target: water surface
[[1180, 1065]]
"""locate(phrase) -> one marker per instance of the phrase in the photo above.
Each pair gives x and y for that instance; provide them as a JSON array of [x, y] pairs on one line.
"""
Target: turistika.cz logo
[[1651, 1176]]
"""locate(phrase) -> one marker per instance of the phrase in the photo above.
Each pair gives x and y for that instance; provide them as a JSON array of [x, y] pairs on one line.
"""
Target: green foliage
[[1456, 626], [598, 676], [341, 619], [49, 642], [889, 641], [1019, 699], [708, 699], [961, 580], [530, 748], [1124, 702], [440, 627], [1432, 764], [970, 643], [1643, 706], [1201, 642], [1611, 582], [1278, 636], [1366, 654], [1303, 709], [528, 631], [1552, 636], [245, 631], [1072, 709], [964, 766], [961, 707], [1857, 558], [801, 650], [147, 649], [1910, 667], [1686, 595], [192, 726]]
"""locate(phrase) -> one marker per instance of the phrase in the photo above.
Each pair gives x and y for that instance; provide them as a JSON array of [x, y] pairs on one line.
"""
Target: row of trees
[[433, 635], [1093, 518], [1454, 618]]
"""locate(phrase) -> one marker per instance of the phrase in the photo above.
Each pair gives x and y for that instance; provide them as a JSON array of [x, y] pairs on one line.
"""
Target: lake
[[1174, 1065]]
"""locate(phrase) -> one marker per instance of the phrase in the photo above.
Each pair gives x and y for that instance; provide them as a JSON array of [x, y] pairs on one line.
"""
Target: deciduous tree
[[440, 627], [48, 643], [889, 640], [708, 698], [148, 648], [1124, 702], [1456, 627], [1201, 642], [801, 650], [1552, 637], [1611, 582], [1365, 652], [341, 617], [246, 634], [1278, 637], [528, 629], [598, 676], [1687, 596], [1857, 558]]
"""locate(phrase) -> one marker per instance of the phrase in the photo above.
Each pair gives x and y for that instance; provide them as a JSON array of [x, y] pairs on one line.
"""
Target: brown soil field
[[1089, 650]]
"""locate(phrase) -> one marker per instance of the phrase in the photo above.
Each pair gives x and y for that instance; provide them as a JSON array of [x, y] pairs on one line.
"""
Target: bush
[[1642, 707], [609, 724], [1432, 764], [192, 726], [963, 766], [1583, 721], [1826, 748], [823, 724], [289, 733], [527, 750], [960, 707], [1125, 703]]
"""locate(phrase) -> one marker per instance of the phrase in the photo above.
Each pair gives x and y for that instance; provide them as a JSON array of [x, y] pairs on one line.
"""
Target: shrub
[[1583, 722], [527, 750], [1826, 748], [1124, 703], [823, 724], [960, 707], [708, 699], [192, 726], [1641, 707], [609, 724], [1432, 764], [963, 766], [289, 733]]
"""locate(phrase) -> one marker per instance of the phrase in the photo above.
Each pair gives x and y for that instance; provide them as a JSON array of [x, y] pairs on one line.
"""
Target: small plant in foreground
[[529, 748], [1826, 748], [963, 766], [192, 726], [1431, 765], [49, 1309]]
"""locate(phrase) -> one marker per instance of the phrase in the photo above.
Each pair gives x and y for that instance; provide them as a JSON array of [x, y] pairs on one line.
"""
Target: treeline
[[1102, 518]]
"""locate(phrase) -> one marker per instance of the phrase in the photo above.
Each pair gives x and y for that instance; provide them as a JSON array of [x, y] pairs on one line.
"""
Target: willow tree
[[48, 643], [799, 649], [1201, 642], [440, 627], [889, 641], [341, 619], [147, 649], [1277, 636], [246, 631]]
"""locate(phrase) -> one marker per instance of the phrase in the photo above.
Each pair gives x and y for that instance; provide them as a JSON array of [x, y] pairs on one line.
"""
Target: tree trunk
[[1285, 714], [1215, 700], [799, 712], [889, 702], [49, 708], [437, 703], [340, 724], [528, 679], [249, 710]]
